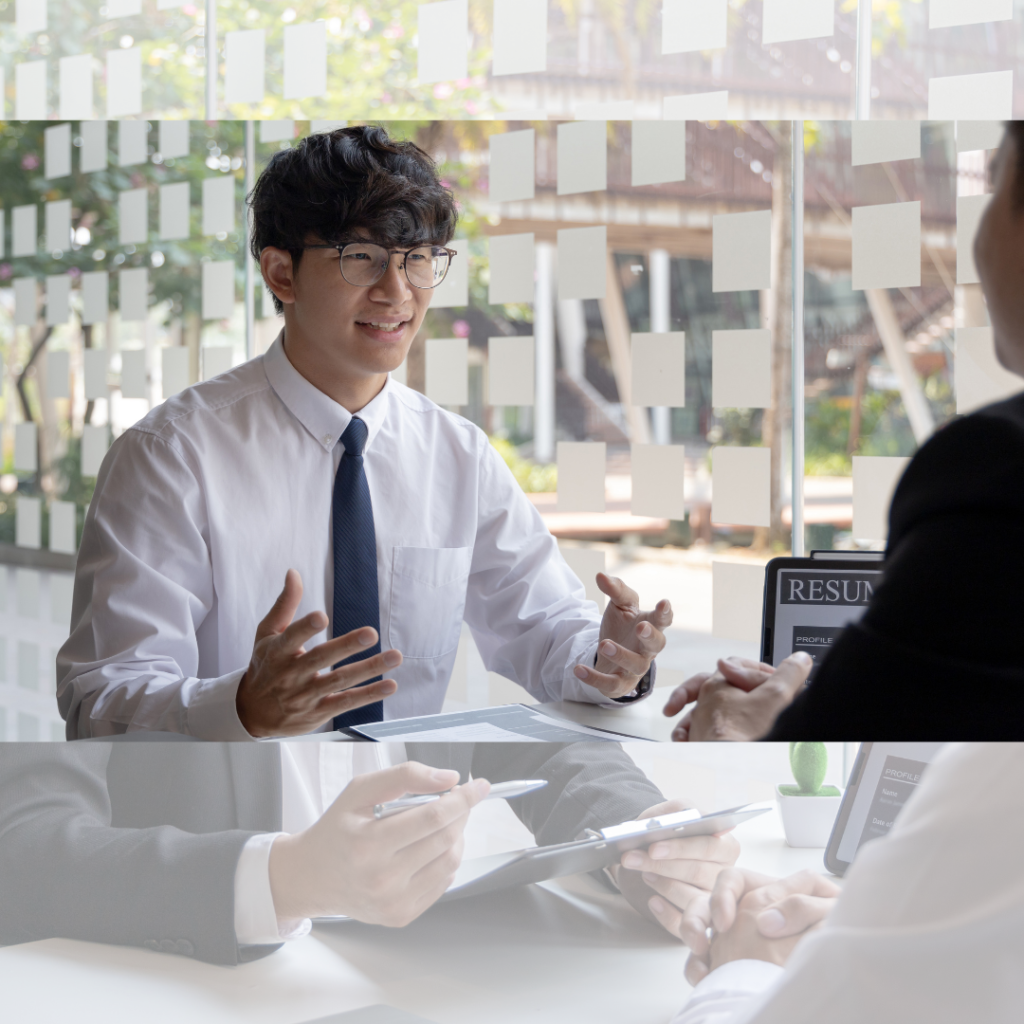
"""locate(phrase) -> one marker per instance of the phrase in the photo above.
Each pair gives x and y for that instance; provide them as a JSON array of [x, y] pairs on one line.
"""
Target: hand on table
[[630, 640], [385, 871], [284, 691], [740, 701], [753, 917], [661, 881]]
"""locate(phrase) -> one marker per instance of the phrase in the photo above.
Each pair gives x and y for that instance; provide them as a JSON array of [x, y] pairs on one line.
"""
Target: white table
[[642, 720], [547, 954]]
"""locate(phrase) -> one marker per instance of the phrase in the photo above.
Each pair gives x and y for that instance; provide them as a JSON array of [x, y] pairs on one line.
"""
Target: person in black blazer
[[939, 652]]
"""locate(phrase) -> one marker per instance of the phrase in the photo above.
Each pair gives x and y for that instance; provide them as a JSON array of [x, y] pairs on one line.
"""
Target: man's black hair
[[333, 183]]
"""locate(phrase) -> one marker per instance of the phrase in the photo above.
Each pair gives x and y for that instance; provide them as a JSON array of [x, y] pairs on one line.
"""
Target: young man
[[388, 519]]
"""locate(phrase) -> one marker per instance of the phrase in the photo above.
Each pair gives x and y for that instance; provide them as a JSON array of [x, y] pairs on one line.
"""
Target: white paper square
[[30, 91], [58, 310], [447, 370], [659, 369], [658, 152], [453, 291], [26, 453], [305, 60], [133, 214], [874, 480], [58, 225], [30, 16], [968, 215], [513, 260], [586, 563], [691, 25], [134, 374], [95, 296], [520, 37], [62, 589], [741, 251], [58, 373], [173, 139], [984, 97], [443, 31], [949, 13], [219, 204], [581, 471], [979, 378], [887, 246], [245, 66], [972, 135], [132, 143], [24, 230], [123, 8], [94, 446], [876, 142], [174, 364], [26, 301], [134, 288], [510, 368], [175, 205], [267, 301], [277, 131], [582, 263], [27, 588], [57, 151], [62, 527], [75, 78], [218, 289], [28, 523], [605, 110], [324, 126], [512, 166], [741, 486], [217, 359], [786, 20], [582, 157], [741, 369], [657, 471], [93, 156], [737, 600], [94, 374], [696, 106], [124, 82]]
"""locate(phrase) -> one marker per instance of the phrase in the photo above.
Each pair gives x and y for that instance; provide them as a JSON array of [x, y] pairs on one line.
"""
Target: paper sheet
[[93, 154], [511, 170], [133, 285], [659, 369], [979, 378], [512, 265], [875, 142], [175, 205], [741, 250], [57, 151], [173, 139], [696, 106], [984, 97], [447, 371], [62, 527], [58, 368], [520, 37], [658, 152], [75, 88], [950, 13], [26, 455], [27, 587], [62, 589], [968, 215], [510, 369], [582, 263], [277, 131], [133, 216], [305, 61], [443, 30], [28, 679], [657, 472], [174, 369], [217, 359], [691, 25], [737, 597], [887, 246], [94, 373], [28, 522], [874, 480], [741, 486], [26, 300], [741, 369], [29, 16], [132, 143], [219, 204], [123, 8], [218, 287], [57, 217], [320, 125], [581, 471], [582, 157], [972, 135], [94, 447], [608, 110], [30, 91], [786, 20], [587, 563], [245, 66], [134, 375], [95, 296], [453, 291], [58, 311], [124, 82]]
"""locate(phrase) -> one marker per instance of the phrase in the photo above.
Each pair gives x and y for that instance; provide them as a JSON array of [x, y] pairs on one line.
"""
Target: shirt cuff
[[726, 991], [212, 713], [256, 921], [575, 689]]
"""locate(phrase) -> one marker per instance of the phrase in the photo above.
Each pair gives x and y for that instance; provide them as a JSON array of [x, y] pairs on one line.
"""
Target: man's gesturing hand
[[382, 872], [283, 692], [630, 640]]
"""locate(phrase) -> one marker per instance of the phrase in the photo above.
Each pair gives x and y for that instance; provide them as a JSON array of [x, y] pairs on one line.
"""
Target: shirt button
[[328, 439]]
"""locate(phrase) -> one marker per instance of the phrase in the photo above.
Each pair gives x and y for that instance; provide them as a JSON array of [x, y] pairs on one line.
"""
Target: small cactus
[[808, 761]]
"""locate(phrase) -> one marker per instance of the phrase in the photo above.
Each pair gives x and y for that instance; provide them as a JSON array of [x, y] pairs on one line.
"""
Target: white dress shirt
[[930, 923], [202, 507]]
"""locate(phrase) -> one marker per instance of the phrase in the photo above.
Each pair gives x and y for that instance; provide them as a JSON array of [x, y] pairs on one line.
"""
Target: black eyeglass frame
[[341, 246]]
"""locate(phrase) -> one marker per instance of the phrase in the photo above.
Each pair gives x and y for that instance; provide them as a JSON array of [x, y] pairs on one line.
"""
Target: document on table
[[517, 723]]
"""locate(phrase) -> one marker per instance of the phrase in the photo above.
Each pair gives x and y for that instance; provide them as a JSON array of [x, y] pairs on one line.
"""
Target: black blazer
[[939, 653]]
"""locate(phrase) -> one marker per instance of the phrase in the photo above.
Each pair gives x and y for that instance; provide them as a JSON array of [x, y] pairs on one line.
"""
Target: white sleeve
[[143, 587], [256, 921], [727, 992]]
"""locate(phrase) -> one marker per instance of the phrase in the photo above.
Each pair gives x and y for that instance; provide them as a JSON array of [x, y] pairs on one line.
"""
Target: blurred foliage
[[531, 476]]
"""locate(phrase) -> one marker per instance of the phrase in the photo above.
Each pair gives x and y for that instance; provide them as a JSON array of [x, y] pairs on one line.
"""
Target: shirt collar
[[323, 417]]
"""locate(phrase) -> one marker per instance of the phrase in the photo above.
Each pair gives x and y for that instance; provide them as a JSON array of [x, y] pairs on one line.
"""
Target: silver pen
[[500, 790]]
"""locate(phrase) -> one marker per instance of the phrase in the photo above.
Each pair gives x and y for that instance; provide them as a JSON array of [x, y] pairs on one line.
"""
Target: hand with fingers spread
[[285, 690], [753, 917], [385, 871], [630, 640]]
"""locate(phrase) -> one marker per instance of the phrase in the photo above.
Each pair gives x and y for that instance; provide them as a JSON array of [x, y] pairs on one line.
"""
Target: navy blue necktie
[[355, 560]]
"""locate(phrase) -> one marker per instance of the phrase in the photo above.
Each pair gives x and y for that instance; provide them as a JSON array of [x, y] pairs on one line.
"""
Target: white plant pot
[[808, 820]]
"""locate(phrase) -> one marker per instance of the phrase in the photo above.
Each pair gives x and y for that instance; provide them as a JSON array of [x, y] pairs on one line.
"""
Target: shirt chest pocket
[[428, 596]]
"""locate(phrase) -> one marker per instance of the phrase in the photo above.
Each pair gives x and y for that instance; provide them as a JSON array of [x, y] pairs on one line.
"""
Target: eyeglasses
[[365, 263]]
